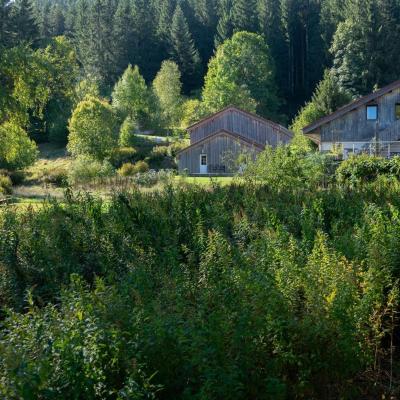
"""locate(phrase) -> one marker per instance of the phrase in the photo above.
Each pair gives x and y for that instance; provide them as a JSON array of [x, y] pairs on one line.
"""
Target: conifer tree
[[244, 15], [22, 23], [224, 27], [56, 20], [124, 35], [95, 40], [183, 50]]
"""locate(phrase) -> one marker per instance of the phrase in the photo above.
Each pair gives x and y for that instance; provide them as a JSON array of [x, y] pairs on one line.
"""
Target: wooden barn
[[224, 136], [371, 124]]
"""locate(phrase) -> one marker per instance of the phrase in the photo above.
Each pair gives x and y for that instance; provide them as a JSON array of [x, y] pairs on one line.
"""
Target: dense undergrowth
[[235, 292]]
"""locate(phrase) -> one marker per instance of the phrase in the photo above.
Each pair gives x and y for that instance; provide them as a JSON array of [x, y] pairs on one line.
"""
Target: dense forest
[[357, 40]]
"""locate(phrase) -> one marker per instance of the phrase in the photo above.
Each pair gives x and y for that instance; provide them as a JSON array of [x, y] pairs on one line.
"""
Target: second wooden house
[[371, 125], [227, 134]]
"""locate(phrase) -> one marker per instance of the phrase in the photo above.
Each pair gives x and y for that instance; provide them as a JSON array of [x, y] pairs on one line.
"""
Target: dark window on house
[[397, 111], [372, 113], [203, 159]]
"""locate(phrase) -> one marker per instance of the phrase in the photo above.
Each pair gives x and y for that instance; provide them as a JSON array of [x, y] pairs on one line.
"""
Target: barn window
[[372, 113], [397, 111]]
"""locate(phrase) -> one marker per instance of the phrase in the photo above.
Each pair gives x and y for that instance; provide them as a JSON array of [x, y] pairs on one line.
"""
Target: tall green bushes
[[236, 292]]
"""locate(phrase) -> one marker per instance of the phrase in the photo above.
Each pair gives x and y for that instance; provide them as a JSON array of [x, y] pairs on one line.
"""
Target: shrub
[[5, 184], [85, 169], [151, 178], [127, 132], [127, 169], [93, 129], [17, 151], [363, 168], [123, 155], [141, 166]]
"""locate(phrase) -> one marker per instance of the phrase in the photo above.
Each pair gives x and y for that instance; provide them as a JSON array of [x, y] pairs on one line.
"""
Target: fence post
[[389, 150]]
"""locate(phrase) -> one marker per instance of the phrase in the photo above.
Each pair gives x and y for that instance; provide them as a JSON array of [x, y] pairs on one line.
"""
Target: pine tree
[[146, 51], [203, 24], [183, 50], [270, 23], [360, 60], [224, 27], [22, 23], [4, 22], [94, 40], [244, 15], [56, 20], [124, 35]]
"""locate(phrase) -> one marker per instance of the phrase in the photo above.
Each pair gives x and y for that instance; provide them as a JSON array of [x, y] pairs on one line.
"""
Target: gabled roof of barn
[[210, 118]]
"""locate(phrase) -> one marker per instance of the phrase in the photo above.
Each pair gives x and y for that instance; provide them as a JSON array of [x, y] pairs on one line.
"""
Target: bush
[[141, 166], [93, 129], [127, 169], [245, 291], [151, 178], [85, 169], [364, 168], [17, 151], [286, 168], [123, 155], [127, 132], [5, 184]]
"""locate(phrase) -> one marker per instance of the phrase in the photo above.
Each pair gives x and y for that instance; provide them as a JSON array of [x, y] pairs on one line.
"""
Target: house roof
[[350, 107], [249, 114], [221, 132]]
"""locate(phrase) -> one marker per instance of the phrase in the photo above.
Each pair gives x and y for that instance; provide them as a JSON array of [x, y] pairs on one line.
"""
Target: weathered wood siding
[[234, 121], [354, 126], [219, 149]]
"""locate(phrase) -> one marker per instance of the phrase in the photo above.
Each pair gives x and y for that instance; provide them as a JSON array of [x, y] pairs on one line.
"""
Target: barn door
[[203, 164]]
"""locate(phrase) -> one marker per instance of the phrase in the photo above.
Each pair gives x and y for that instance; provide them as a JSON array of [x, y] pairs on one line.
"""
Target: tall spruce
[[183, 50], [244, 15], [22, 23], [94, 40], [225, 26]]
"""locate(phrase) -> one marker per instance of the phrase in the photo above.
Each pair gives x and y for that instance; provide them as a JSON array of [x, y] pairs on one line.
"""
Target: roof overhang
[[351, 106], [279, 127]]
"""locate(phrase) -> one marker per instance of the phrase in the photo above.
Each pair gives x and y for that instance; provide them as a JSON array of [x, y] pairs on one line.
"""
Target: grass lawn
[[206, 181]]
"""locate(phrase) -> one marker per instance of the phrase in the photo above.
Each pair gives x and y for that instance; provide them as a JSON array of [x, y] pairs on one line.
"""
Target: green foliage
[[93, 129], [5, 184], [289, 168], [183, 49], [122, 155], [327, 98], [242, 73], [167, 87], [192, 111], [127, 169], [127, 132], [85, 169], [17, 151], [89, 349], [131, 96], [141, 166], [365, 168], [230, 287]]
